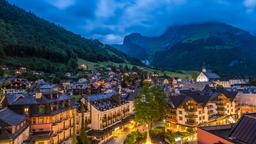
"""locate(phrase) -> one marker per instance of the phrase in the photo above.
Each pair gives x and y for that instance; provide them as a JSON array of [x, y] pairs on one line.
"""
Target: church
[[205, 76]]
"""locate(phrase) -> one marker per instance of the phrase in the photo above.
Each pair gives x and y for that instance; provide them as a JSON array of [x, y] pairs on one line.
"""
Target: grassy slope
[[178, 74]]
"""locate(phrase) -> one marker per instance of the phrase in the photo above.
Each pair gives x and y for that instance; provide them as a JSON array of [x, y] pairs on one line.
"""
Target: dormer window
[[26, 110]]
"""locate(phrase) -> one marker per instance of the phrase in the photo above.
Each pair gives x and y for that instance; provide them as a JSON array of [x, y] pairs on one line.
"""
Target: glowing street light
[[148, 140], [178, 139]]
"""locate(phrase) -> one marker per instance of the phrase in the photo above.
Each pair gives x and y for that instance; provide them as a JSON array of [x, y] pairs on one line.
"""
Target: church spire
[[204, 69]]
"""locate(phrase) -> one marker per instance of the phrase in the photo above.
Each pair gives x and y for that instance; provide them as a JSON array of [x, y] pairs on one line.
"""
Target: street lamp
[[178, 140], [148, 140]]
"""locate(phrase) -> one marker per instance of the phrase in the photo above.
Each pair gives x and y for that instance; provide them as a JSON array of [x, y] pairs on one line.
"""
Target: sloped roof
[[99, 96], [199, 86], [229, 94], [48, 86], [20, 99], [211, 75], [201, 97], [244, 131], [78, 86], [27, 99], [11, 118]]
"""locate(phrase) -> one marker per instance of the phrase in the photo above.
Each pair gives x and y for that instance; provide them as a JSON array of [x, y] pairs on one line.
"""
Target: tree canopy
[[150, 105], [42, 45]]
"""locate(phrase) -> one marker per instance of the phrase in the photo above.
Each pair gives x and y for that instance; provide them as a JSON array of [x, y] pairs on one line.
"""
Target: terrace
[[104, 102]]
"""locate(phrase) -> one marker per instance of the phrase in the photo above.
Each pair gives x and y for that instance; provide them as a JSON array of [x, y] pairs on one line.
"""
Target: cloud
[[250, 3], [109, 38], [110, 20], [61, 4]]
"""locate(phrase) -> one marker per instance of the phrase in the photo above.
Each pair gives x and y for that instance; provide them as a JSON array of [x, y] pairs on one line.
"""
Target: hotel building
[[50, 113], [107, 112], [196, 108]]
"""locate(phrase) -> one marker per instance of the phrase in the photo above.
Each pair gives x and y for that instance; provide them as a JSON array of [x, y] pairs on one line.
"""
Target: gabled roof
[[177, 100], [201, 97], [20, 99], [10, 118], [197, 97], [244, 131], [199, 86], [48, 86], [28, 99], [229, 94]]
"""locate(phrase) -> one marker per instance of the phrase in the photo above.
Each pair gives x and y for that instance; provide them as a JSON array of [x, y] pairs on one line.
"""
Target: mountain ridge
[[171, 49]]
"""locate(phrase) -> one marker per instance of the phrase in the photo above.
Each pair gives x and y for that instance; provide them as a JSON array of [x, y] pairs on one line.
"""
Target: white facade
[[202, 78], [190, 113]]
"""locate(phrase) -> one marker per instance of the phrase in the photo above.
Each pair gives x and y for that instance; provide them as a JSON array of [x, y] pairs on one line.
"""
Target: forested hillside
[[28, 40]]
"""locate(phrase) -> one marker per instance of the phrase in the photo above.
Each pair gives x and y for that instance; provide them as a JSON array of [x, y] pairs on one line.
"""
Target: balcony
[[56, 122], [191, 110], [221, 108], [66, 127], [64, 118], [191, 116], [104, 119], [191, 122]]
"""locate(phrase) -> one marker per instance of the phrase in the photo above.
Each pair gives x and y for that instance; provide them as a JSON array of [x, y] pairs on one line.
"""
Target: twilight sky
[[110, 20]]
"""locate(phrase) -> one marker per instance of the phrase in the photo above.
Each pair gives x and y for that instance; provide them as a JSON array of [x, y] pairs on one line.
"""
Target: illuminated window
[[41, 120], [26, 110], [41, 109]]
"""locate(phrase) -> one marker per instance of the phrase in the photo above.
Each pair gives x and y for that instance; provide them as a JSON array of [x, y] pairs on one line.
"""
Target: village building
[[50, 113], [207, 107], [15, 85], [83, 66], [246, 101], [78, 89], [206, 76], [14, 128], [107, 111], [228, 82]]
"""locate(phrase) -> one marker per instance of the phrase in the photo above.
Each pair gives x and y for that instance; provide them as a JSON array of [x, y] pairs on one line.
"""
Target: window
[[180, 112], [180, 118], [33, 120], [40, 120], [26, 110], [41, 109]]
